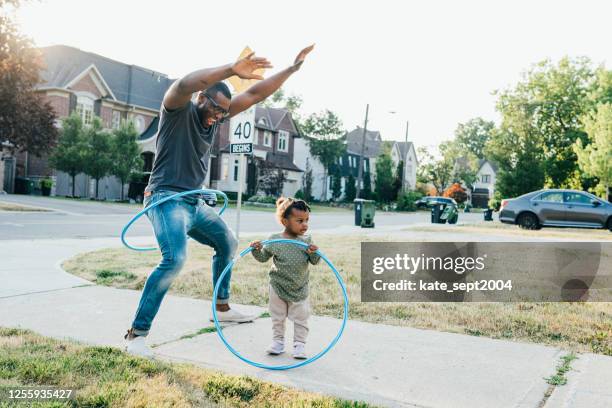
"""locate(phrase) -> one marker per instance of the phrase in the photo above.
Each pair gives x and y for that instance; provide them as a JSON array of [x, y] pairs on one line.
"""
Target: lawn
[[583, 327], [108, 377], [4, 206]]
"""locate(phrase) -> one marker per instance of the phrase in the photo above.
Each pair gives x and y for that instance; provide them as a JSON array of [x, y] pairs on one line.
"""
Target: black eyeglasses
[[224, 112]]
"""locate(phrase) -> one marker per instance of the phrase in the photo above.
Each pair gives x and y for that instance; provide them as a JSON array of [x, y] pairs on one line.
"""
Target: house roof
[[404, 148], [130, 84], [151, 130], [481, 163], [354, 141], [273, 119], [282, 160]]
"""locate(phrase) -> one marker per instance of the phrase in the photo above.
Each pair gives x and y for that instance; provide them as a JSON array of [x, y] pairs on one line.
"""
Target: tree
[[125, 153], [350, 190], [473, 135], [456, 192], [70, 154], [462, 161], [595, 159], [384, 177], [272, 178], [324, 133], [367, 185], [336, 185], [98, 156], [398, 181], [547, 106], [280, 100], [435, 172], [307, 181], [26, 122]]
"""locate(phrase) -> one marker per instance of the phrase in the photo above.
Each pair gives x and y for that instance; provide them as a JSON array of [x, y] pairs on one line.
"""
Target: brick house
[[90, 84], [273, 147]]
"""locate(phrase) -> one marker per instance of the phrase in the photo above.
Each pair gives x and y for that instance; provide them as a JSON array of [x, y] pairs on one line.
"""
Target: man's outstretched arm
[[181, 90], [267, 87]]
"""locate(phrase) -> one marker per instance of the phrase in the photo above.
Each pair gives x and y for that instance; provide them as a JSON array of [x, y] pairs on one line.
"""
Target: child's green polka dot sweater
[[289, 271]]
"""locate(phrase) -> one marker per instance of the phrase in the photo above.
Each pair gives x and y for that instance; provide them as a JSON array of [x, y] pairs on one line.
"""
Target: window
[[85, 108], [267, 139], [225, 167], [365, 165], [116, 122], [340, 160], [236, 170], [283, 141], [577, 198], [485, 178], [553, 196], [139, 123]]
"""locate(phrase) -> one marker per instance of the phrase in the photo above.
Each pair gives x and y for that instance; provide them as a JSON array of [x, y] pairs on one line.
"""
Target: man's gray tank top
[[183, 149]]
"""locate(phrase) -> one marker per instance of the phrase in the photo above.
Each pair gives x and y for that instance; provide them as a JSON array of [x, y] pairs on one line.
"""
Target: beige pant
[[297, 312]]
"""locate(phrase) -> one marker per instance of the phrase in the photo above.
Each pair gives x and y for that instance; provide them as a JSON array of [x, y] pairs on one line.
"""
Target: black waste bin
[[358, 208], [436, 211], [488, 214]]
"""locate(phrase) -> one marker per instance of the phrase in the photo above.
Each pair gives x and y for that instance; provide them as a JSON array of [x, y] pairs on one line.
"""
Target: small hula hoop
[[148, 208], [289, 366]]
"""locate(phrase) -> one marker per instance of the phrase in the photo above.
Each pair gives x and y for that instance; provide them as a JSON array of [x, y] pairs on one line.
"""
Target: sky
[[433, 63]]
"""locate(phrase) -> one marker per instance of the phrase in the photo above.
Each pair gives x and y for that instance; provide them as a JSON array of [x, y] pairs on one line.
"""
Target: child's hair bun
[[283, 200]]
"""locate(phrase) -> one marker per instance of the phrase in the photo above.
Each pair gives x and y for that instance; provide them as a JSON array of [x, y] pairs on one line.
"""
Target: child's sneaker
[[276, 348], [299, 350], [136, 346]]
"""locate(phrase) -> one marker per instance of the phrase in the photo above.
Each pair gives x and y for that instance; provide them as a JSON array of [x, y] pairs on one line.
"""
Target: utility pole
[[363, 140]]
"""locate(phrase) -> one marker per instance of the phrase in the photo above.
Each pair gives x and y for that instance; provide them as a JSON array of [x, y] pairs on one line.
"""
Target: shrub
[[494, 203], [405, 201]]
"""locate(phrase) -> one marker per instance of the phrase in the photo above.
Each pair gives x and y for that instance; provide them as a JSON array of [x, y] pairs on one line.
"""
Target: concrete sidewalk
[[380, 364]]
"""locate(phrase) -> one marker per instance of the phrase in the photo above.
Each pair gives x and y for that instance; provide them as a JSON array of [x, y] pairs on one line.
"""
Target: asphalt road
[[90, 219]]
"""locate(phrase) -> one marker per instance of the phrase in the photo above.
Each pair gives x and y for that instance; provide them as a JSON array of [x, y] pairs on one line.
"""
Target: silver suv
[[557, 208]]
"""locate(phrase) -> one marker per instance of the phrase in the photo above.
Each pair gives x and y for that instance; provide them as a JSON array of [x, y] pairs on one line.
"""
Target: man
[[186, 132]]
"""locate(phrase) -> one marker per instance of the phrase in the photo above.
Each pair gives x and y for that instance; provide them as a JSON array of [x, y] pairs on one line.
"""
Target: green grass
[[563, 368], [108, 377], [581, 327]]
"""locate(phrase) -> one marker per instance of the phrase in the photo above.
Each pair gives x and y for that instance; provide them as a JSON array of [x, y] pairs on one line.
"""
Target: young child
[[289, 275]]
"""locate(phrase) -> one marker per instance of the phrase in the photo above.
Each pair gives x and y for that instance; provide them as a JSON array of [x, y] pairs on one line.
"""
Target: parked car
[[428, 201], [557, 208]]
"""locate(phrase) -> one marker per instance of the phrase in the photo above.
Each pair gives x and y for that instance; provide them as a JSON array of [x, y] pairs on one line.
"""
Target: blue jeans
[[172, 221]]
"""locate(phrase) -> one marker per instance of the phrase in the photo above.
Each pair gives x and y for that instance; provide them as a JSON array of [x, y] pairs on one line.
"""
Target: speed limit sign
[[242, 132]]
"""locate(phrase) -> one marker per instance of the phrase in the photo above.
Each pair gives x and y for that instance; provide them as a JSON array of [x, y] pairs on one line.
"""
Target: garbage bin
[[368, 209], [24, 185], [435, 213], [488, 214], [358, 206]]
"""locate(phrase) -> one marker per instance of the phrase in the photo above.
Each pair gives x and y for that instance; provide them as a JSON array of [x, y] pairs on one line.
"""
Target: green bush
[[494, 203], [405, 201], [46, 183], [262, 199]]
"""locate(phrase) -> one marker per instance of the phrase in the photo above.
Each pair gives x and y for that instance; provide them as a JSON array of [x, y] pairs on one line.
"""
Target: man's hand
[[256, 245], [299, 60], [245, 68], [312, 248]]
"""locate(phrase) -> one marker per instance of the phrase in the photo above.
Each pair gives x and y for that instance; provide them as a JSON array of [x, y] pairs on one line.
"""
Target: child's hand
[[256, 245], [311, 249]]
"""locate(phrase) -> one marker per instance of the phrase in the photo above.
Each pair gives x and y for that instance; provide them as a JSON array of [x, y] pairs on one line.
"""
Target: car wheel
[[528, 221]]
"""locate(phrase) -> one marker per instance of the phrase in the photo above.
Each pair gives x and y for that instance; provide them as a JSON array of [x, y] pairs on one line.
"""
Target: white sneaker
[[138, 347], [276, 348], [232, 316], [299, 351]]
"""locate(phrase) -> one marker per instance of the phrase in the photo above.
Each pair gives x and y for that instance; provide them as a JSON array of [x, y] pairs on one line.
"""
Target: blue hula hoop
[[229, 267], [148, 208], [288, 366]]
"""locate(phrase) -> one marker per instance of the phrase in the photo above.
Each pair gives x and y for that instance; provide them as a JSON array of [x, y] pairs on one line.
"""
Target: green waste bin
[[368, 210]]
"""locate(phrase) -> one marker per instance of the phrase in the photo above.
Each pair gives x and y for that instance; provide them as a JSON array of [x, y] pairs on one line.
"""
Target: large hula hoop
[[148, 208], [288, 366]]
